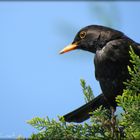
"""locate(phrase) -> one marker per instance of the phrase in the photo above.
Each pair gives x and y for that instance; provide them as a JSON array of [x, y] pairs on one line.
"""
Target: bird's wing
[[111, 59], [117, 50]]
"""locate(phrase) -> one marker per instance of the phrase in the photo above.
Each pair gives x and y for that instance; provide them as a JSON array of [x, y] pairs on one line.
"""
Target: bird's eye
[[82, 34]]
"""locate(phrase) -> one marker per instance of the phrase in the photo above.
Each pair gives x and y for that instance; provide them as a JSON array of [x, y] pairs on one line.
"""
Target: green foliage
[[87, 91], [104, 124], [101, 126], [61, 130], [130, 100]]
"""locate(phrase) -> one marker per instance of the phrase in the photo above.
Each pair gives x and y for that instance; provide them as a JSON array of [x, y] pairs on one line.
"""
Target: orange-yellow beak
[[69, 48]]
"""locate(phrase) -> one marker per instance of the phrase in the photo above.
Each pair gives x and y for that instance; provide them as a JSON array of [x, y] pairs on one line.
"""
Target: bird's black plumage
[[111, 48]]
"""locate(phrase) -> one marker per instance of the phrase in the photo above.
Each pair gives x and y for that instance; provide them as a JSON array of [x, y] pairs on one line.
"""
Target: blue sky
[[34, 79]]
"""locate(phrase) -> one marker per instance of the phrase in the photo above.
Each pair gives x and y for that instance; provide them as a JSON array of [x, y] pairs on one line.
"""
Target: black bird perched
[[111, 48]]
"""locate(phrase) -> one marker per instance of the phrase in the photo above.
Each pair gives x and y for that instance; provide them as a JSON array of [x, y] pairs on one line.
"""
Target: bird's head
[[91, 38]]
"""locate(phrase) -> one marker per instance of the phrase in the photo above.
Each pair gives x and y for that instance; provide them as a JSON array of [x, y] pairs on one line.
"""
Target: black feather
[[111, 48]]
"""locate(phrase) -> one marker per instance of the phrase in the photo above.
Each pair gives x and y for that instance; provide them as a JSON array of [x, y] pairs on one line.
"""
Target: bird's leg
[[117, 131], [113, 122]]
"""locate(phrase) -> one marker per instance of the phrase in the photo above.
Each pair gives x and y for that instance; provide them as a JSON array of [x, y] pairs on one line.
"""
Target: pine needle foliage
[[130, 100]]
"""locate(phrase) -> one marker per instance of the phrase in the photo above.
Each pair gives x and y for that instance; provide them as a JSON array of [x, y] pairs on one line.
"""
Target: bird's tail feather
[[82, 113]]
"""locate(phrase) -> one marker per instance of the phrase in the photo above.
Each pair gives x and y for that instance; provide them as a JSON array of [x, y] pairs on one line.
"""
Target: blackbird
[[111, 48]]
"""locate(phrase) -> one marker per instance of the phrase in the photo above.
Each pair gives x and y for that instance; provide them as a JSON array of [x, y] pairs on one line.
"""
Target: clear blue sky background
[[34, 79]]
